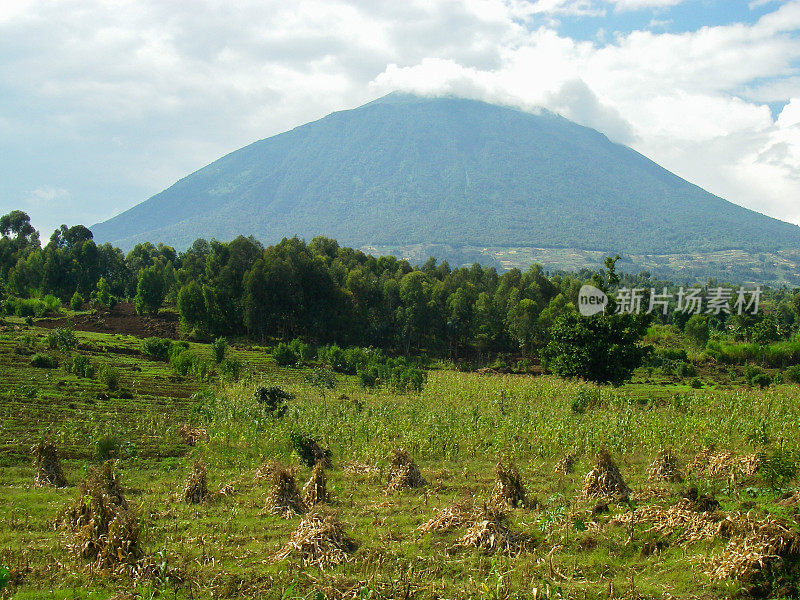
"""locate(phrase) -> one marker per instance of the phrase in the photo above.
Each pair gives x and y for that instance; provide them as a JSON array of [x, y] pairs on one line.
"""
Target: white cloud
[[115, 101]]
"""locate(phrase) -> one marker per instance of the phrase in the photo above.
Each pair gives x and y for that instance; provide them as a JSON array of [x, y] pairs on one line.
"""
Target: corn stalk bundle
[[508, 489], [760, 545], [605, 480], [491, 532], [315, 491], [319, 539], [664, 467], [284, 498], [192, 435], [404, 473], [105, 528], [196, 489], [48, 467], [566, 464], [447, 518]]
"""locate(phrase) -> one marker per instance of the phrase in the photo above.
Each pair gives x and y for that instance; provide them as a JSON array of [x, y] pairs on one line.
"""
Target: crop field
[[480, 486]]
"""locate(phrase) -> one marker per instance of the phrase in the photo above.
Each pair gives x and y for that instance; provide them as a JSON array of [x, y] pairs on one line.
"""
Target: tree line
[[325, 293]]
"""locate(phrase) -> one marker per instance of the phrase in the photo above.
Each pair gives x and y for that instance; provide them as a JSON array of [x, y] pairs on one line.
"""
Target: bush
[[44, 361], [762, 380], [109, 376], [231, 369], [777, 468], [82, 366], [284, 356], [273, 399], [107, 447], [304, 352], [219, 348], [685, 369], [62, 338], [585, 399], [157, 348], [369, 377], [51, 303], [696, 383], [792, 374], [182, 362], [29, 307], [76, 302]]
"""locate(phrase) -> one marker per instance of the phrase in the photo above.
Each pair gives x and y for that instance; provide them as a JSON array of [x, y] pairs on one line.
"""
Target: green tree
[[150, 291], [192, 306], [697, 330]]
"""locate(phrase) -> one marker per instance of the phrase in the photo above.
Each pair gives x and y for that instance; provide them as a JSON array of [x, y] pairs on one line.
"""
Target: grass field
[[562, 544]]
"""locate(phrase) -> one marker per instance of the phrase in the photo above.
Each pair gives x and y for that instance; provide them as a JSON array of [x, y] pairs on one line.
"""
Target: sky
[[104, 103]]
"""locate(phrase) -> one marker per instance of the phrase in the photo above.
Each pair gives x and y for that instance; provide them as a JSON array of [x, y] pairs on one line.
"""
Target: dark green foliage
[[697, 330], [44, 361], [685, 369], [585, 399], [109, 376], [231, 369], [761, 380], [219, 348], [183, 362], [604, 349], [273, 399], [322, 380], [62, 338], [792, 374], [156, 348], [284, 356], [150, 291], [696, 383], [102, 294], [76, 302], [309, 451], [82, 366], [777, 467], [107, 447]]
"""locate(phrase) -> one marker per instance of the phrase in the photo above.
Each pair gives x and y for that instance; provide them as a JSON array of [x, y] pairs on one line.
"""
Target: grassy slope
[[455, 429]]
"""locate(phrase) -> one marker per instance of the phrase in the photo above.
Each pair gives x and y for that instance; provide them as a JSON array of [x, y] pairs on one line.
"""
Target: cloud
[[116, 101]]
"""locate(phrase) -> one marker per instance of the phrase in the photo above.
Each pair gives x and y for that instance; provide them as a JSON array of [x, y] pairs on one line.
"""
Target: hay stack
[[106, 529], [664, 467], [766, 545], [566, 464], [508, 489], [491, 532], [605, 480], [689, 525], [196, 489], [284, 498], [715, 464], [404, 473], [315, 491], [319, 539], [449, 517], [192, 435], [48, 467]]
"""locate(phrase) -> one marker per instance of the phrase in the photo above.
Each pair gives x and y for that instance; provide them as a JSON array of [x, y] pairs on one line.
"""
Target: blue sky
[[103, 105]]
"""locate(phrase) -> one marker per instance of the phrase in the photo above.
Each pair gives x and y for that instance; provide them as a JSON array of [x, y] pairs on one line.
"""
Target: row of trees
[[325, 293]]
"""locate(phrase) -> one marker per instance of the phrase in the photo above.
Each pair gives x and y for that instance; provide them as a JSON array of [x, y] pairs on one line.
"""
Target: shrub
[[273, 399], [685, 369], [82, 366], [44, 361], [284, 356], [231, 369], [157, 348], [219, 348], [585, 399], [792, 374], [109, 376], [107, 447], [761, 380], [369, 377], [696, 383], [303, 351], [182, 362], [62, 338], [777, 467], [750, 371], [76, 302], [51, 303]]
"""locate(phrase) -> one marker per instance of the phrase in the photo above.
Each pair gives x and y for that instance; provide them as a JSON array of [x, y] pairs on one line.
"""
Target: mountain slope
[[407, 170]]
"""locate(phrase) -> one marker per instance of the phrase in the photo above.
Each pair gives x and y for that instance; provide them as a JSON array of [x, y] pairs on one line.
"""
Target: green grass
[[456, 429]]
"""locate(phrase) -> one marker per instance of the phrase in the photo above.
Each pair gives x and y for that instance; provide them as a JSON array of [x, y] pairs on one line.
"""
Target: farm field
[[716, 518]]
